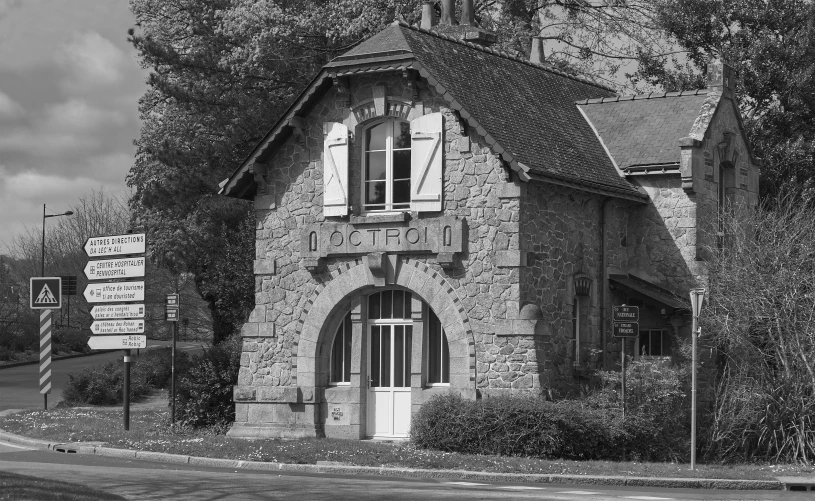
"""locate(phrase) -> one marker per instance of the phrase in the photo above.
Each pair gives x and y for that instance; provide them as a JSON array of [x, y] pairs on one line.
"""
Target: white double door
[[389, 355]]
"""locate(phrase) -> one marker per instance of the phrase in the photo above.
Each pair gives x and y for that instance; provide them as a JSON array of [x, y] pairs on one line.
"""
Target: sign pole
[[126, 393], [172, 373], [45, 356]]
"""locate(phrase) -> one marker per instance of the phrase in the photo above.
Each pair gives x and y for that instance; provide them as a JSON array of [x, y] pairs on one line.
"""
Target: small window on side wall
[[341, 353], [438, 353], [654, 343]]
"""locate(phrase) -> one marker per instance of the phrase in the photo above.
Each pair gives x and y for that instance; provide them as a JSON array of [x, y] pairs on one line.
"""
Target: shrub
[[102, 385], [154, 366], [204, 391], [532, 427], [71, 340]]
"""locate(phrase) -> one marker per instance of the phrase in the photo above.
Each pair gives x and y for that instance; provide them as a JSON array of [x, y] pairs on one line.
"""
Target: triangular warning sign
[[45, 296]]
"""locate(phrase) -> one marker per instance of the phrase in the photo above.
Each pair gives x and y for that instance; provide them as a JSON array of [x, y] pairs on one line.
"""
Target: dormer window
[[386, 158]]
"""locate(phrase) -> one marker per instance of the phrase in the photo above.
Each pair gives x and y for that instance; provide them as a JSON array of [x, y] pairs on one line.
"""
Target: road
[[19, 386], [147, 480]]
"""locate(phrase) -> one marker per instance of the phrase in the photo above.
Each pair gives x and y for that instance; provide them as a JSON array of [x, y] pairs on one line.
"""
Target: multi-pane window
[[387, 166], [654, 343], [341, 353], [438, 353], [391, 338]]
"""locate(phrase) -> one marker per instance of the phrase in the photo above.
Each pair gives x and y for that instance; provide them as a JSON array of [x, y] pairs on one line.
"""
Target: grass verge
[[22, 487], [151, 431]]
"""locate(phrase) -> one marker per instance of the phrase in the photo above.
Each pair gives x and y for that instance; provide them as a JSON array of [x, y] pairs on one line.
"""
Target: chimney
[[428, 14], [467, 13], [721, 77], [448, 12], [536, 55]]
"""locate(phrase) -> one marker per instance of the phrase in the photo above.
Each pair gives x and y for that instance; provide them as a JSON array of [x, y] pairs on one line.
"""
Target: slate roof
[[644, 129], [527, 108], [525, 111]]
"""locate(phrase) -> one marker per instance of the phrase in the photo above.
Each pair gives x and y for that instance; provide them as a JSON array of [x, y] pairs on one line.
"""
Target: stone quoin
[[434, 215]]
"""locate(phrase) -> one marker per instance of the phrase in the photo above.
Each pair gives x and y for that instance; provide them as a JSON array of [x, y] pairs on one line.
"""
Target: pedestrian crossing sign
[[45, 293]]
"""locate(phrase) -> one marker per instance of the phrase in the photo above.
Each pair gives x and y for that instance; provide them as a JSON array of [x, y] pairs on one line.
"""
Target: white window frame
[[388, 169]]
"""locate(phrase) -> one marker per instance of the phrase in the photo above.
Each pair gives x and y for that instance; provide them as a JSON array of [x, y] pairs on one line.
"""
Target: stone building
[[434, 215]]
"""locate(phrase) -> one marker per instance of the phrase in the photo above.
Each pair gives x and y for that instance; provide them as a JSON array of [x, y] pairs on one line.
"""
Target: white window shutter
[[426, 152], [335, 169]]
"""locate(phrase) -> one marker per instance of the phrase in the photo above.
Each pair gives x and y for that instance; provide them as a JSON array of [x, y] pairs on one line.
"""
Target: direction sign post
[[117, 342], [114, 319], [106, 269], [112, 311], [116, 245], [626, 325], [114, 292], [119, 326], [172, 304]]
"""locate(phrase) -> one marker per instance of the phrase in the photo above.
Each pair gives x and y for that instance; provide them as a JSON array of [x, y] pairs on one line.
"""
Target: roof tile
[[646, 131]]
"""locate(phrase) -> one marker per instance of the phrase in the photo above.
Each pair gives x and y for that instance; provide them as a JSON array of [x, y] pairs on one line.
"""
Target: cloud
[[7, 5], [91, 60], [23, 194], [78, 114], [64, 128], [9, 108]]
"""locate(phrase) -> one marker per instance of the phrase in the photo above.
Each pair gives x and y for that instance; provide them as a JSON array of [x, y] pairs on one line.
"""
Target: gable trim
[[602, 143]]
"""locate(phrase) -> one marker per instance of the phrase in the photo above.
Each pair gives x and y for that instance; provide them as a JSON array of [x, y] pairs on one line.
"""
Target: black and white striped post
[[45, 355], [45, 294]]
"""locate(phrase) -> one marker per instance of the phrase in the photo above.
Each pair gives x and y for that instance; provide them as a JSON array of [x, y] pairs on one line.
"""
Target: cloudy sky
[[69, 90]]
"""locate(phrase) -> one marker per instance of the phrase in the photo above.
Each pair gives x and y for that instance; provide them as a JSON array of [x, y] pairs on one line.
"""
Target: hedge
[[532, 427]]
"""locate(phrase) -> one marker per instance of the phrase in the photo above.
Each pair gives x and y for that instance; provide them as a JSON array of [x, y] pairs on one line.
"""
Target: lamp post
[[697, 297], [44, 215]]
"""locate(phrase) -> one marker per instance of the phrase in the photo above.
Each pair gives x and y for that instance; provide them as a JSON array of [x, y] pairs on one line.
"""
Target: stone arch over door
[[426, 283]]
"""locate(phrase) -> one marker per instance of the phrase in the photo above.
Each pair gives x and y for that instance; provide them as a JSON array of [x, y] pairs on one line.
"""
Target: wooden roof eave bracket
[[521, 169]]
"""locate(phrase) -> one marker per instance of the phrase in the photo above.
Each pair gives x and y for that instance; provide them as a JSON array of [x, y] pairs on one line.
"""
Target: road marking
[[7, 444], [646, 498], [578, 492], [465, 484], [521, 487]]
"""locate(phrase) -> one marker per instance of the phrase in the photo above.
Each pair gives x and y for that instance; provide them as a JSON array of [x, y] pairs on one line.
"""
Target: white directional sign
[[108, 311], [115, 245], [114, 292], [118, 326], [117, 342], [127, 267]]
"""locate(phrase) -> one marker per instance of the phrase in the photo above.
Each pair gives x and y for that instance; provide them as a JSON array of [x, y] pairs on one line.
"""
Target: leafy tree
[[771, 44], [221, 72]]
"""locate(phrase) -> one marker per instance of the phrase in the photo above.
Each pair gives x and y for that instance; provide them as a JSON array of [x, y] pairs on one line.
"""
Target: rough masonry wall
[[561, 235], [295, 184]]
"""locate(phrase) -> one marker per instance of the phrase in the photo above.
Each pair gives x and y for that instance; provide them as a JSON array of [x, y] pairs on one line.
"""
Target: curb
[[332, 467]]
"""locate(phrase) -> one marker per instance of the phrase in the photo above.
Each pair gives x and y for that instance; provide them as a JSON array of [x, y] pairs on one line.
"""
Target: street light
[[44, 215], [697, 297]]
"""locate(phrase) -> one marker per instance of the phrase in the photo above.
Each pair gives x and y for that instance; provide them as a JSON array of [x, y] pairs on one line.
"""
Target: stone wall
[[476, 189]]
